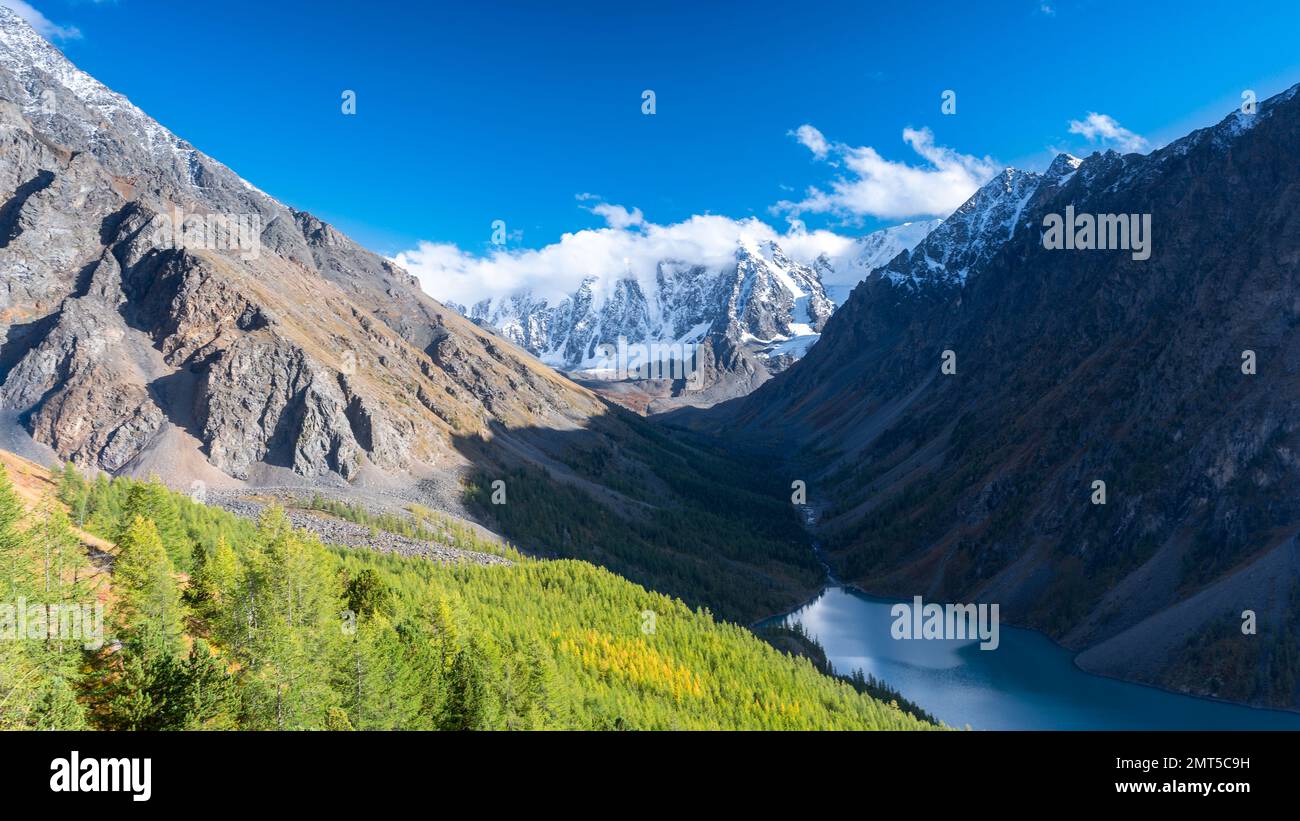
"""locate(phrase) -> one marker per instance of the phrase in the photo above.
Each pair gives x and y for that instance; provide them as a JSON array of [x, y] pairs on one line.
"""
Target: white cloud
[[813, 140], [1102, 128], [43, 25], [882, 188], [616, 216], [629, 246]]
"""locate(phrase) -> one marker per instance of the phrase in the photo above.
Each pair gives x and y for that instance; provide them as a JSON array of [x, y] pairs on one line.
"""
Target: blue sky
[[473, 112]]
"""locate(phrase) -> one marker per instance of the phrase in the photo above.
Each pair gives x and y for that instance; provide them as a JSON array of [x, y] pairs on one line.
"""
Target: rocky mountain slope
[[158, 314], [310, 354], [1074, 367]]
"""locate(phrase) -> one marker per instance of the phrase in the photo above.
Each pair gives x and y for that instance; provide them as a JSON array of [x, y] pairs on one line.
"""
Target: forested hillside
[[670, 510], [214, 622]]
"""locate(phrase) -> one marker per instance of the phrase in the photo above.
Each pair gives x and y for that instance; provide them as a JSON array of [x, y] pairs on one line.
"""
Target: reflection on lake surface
[[1028, 683]]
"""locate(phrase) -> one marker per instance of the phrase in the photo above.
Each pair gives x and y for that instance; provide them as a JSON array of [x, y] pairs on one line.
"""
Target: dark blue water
[[1027, 683]]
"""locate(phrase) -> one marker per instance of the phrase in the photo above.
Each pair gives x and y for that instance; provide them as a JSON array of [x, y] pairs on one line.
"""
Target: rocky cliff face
[[295, 349], [1074, 367]]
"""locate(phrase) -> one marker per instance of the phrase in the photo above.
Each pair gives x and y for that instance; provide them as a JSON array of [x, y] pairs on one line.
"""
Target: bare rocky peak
[[301, 354]]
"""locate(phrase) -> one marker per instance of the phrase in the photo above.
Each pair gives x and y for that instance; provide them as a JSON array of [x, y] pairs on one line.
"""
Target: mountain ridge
[[1070, 368]]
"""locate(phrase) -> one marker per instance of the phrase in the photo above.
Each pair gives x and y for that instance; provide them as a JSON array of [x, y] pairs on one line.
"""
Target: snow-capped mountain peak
[[870, 252], [762, 297], [975, 230], [744, 318]]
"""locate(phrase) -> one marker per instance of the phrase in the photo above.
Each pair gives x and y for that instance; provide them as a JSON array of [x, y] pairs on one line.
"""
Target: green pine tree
[[15, 547], [291, 618], [149, 610], [469, 691], [153, 501]]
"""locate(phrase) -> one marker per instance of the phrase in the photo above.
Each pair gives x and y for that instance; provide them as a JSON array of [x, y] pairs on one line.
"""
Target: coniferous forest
[[214, 622]]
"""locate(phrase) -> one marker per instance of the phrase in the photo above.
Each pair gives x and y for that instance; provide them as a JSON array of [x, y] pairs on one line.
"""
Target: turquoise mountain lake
[[1027, 683]]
